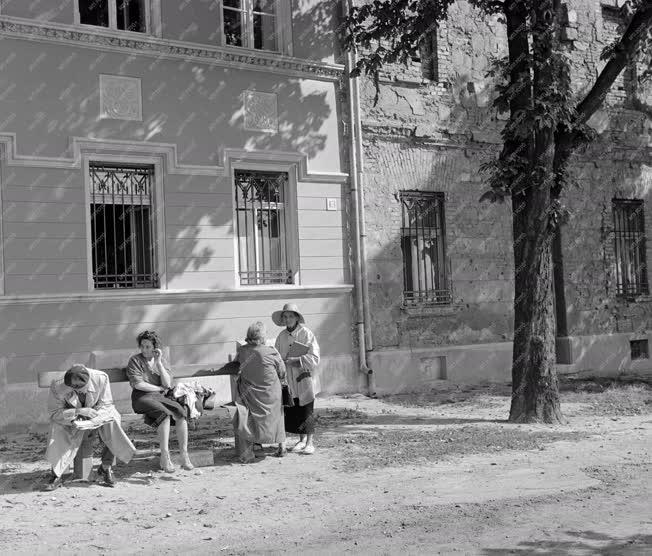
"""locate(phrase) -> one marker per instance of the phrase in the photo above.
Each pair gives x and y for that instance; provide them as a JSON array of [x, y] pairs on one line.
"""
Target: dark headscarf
[[78, 372]]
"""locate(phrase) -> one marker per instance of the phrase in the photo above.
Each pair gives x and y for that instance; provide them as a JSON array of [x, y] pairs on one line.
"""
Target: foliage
[[385, 32]]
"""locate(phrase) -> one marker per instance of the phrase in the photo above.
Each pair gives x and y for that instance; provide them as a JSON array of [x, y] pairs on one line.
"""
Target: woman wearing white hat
[[301, 379]]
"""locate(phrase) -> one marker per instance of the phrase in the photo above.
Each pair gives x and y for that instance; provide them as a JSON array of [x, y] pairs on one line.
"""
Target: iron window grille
[[260, 200], [250, 24], [125, 15], [426, 271], [122, 227], [629, 245], [639, 349]]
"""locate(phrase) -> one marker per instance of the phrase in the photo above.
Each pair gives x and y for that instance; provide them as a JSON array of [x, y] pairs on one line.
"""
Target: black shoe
[[107, 475], [53, 483]]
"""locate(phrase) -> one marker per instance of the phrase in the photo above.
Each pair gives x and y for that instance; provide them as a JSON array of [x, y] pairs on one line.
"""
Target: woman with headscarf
[[150, 380], [300, 352], [258, 417], [78, 403]]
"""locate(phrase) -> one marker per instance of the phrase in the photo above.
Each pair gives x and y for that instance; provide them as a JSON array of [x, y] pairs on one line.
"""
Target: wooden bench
[[83, 463]]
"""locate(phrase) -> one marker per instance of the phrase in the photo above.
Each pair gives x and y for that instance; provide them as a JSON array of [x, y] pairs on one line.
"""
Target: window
[[251, 24], [423, 242], [124, 15], [428, 55], [122, 226], [261, 220], [629, 238], [639, 349]]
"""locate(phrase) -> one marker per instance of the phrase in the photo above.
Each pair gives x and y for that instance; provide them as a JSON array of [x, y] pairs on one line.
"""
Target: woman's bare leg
[[164, 444], [182, 437]]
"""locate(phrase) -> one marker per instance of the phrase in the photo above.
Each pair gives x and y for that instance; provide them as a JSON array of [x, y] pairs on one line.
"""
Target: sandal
[[298, 447], [280, 452]]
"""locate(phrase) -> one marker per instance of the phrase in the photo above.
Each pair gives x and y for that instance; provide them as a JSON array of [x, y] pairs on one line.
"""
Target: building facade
[[169, 166], [184, 167], [440, 263]]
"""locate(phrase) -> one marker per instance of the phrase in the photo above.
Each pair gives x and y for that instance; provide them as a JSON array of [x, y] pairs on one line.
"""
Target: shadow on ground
[[582, 542]]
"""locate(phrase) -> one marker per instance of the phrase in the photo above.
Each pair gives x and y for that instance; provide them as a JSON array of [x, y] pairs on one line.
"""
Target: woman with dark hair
[[150, 379]]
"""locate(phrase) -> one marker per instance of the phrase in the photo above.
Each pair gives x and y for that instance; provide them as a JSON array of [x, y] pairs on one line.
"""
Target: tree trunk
[[535, 394]]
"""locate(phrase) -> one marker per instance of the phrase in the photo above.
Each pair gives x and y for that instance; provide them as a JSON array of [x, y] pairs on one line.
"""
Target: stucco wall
[[193, 114]]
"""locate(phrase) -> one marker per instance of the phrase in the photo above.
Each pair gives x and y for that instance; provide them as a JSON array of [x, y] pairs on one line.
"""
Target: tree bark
[[535, 396]]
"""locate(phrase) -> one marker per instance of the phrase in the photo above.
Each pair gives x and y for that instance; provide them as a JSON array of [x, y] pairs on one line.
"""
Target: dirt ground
[[433, 473]]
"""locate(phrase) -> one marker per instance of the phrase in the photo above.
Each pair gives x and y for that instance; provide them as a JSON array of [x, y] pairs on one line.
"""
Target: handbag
[[286, 396]]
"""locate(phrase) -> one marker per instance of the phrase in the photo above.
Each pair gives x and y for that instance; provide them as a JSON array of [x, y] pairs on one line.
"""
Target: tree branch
[[625, 48], [565, 139]]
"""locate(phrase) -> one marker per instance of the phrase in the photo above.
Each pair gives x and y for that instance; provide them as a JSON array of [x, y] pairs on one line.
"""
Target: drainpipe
[[357, 204], [357, 124]]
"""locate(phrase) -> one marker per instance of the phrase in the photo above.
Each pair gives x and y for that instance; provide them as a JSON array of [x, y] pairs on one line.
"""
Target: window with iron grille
[[629, 244], [122, 226], [423, 241], [260, 200], [639, 349]]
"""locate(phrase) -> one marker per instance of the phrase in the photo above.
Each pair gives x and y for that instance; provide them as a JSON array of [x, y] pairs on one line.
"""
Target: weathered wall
[[478, 242], [433, 136]]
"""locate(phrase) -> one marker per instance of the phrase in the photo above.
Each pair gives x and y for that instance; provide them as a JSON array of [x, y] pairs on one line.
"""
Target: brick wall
[[434, 136]]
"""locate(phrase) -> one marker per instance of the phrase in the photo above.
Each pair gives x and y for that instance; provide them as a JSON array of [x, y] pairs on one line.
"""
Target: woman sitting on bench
[[150, 380]]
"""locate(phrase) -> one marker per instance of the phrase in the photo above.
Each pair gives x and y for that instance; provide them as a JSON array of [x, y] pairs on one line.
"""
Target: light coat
[[65, 438], [303, 381]]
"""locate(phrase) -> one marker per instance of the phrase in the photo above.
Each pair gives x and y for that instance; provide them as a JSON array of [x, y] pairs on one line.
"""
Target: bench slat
[[119, 374]]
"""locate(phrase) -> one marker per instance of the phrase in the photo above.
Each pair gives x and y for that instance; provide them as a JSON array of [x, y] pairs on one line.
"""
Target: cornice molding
[[147, 45], [256, 292], [167, 152]]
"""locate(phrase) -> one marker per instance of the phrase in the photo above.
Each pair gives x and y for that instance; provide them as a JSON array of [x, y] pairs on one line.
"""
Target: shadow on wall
[[199, 333], [318, 20], [479, 237]]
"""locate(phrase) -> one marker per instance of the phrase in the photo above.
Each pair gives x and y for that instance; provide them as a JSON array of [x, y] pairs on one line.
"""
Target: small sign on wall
[[331, 204]]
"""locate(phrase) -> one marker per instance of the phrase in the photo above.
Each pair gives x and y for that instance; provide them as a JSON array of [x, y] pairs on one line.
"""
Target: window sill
[[253, 51], [431, 311], [641, 298], [261, 292], [109, 31]]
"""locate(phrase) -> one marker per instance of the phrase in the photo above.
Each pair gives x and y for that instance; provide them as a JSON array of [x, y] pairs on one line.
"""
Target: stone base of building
[[404, 370]]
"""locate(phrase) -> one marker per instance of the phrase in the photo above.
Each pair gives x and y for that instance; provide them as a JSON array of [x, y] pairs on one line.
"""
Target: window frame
[[158, 237], [291, 223], [643, 283], [444, 271], [283, 27], [152, 19]]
